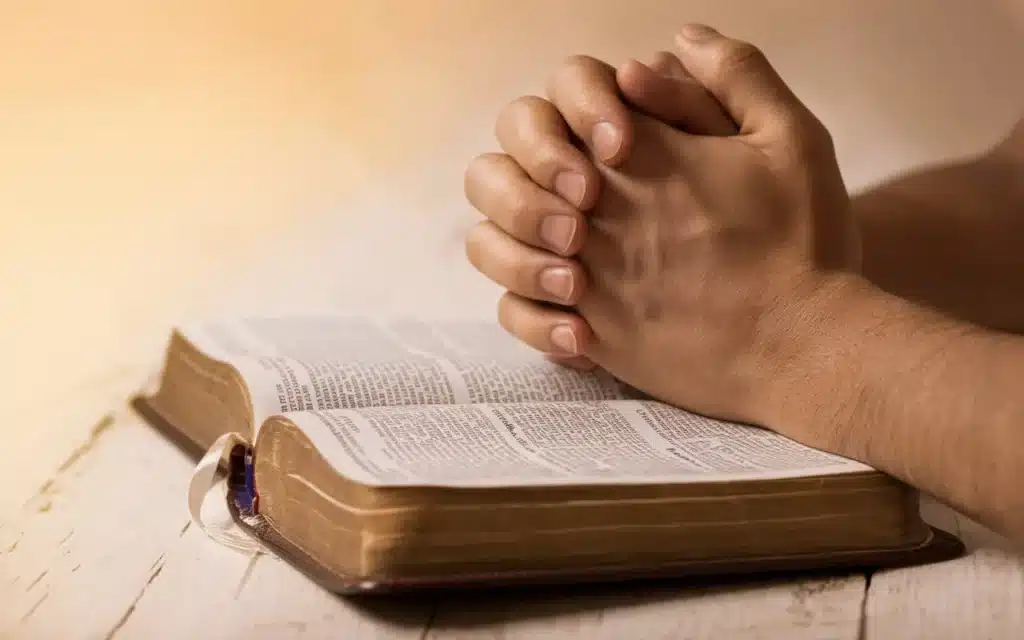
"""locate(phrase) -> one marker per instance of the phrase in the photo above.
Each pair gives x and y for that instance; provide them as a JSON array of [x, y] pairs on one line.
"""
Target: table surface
[[165, 161]]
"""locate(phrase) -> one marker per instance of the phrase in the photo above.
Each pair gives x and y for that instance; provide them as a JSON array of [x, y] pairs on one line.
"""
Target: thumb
[[739, 76], [678, 100]]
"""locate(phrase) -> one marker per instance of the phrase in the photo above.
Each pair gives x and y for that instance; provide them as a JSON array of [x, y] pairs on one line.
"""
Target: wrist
[[847, 337], [923, 397]]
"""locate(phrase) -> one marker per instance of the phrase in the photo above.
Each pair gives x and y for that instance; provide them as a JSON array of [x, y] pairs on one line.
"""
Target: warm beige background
[[154, 154]]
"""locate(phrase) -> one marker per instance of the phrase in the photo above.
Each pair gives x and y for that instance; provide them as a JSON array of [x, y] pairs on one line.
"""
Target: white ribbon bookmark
[[223, 529]]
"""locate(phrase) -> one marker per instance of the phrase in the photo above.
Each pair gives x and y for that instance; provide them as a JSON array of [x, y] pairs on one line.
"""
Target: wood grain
[[978, 596], [91, 542], [800, 609], [107, 550]]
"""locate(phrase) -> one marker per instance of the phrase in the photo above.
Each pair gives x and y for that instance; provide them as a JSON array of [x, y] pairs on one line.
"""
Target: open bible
[[383, 455]]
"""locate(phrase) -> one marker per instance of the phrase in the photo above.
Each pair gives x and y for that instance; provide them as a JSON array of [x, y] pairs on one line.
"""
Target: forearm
[[928, 399], [950, 237]]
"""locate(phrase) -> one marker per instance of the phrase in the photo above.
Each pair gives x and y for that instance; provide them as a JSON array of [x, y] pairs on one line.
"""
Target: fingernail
[[697, 32], [557, 231], [558, 282], [606, 140], [571, 186], [563, 338]]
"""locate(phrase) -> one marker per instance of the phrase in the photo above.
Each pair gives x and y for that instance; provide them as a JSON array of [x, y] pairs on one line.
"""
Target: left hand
[[713, 262]]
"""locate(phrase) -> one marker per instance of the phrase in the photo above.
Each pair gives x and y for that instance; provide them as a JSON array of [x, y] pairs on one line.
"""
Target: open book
[[396, 454]]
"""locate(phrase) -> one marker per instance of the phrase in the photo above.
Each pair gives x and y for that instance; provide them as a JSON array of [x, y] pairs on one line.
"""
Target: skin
[[684, 225]]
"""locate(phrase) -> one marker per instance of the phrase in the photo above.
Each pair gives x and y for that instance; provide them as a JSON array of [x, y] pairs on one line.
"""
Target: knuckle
[[807, 133], [532, 104], [474, 168], [524, 107], [476, 176], [549, 158], [819, 137], [571, 68], [732, 56], [661, 58], [523, 277], [577, 62], [482, 164], [821, 133], [521, 217], [520, 113], [664, 62]]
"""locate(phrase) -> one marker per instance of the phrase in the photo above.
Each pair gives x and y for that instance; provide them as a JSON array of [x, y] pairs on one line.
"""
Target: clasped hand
[[695, 243]]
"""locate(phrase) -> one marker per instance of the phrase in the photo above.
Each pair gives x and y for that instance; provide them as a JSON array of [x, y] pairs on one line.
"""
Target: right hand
[[527, 243]]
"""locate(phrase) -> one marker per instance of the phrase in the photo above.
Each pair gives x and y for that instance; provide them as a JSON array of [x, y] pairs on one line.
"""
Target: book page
[[553, 444], [331, 362]]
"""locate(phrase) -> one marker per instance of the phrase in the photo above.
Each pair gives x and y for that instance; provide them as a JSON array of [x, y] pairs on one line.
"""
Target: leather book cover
[[939, 546]]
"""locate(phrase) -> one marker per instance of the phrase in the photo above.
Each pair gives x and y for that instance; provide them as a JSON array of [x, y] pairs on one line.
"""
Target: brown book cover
[[937, 547], [940, 546]]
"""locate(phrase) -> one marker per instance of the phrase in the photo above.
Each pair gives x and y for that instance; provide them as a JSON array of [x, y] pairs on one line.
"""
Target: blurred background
[[165, 161]]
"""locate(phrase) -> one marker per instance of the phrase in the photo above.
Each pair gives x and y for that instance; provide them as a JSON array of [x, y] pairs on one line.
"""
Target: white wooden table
[[105, 549], [163, 161]]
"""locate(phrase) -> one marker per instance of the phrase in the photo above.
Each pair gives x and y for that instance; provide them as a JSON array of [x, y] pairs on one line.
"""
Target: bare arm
[[932, 400], [952, 236], [932, 374]]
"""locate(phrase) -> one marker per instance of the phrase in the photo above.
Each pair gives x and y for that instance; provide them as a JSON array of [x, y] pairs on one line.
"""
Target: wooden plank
[[231, 594], [87, 544], [106, 549], [48, 434], [978, 596], [820, 608]]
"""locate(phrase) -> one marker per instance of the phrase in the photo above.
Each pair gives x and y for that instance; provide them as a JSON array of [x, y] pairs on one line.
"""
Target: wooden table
[[163, 161]]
